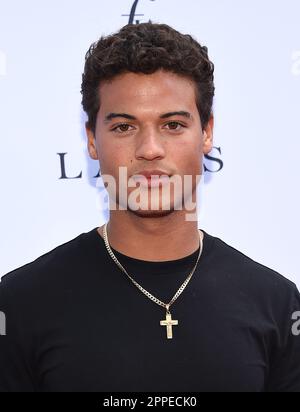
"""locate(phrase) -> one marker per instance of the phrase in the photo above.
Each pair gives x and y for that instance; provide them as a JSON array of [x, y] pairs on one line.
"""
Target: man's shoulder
[[61, 258], [235, 264]]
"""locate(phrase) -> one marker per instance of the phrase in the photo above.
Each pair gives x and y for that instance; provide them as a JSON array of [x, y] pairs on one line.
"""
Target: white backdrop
[[252, 202]]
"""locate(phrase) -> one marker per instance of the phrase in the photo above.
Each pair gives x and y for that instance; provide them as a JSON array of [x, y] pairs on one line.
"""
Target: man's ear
[[91, 142], [208, 136]]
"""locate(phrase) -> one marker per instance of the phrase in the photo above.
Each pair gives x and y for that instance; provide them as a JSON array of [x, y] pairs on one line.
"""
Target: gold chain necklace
[[168, 322]]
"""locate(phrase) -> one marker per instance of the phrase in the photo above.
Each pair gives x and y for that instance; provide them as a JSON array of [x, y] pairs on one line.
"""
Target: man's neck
[[155, 239]]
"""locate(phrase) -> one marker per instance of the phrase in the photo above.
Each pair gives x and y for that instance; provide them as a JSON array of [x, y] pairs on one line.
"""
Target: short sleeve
[[285, 365]]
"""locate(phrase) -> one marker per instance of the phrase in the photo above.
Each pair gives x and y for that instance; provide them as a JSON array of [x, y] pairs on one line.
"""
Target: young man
[[148, 302]]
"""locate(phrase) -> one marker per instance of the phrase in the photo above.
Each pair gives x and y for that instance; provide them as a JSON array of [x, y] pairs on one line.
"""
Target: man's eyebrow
[[112, 115], [178, 113]]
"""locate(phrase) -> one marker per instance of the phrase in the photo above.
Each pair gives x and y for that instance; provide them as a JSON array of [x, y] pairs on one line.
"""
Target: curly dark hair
[[146, 48]]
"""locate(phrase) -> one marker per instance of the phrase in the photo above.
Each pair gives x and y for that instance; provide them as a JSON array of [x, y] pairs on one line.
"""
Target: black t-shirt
[[75, 322]]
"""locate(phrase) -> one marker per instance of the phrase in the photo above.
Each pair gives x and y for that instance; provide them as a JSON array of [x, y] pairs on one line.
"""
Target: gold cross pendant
[[169, 322]]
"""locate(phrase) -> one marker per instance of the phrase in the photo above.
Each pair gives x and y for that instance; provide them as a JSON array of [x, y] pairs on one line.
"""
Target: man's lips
[[152, 178], [154, 172]]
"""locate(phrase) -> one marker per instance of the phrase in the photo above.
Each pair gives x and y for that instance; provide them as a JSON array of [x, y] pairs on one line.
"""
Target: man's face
[[137, 128]]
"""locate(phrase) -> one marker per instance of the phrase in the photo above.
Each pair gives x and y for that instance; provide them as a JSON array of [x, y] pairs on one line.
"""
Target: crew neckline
[[169, 265]]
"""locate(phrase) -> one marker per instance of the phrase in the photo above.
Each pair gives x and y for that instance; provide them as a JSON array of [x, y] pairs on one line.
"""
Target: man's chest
[[120, 348]]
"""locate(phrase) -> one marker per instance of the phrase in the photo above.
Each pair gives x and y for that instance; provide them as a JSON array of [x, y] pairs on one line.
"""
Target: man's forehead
[[146, 97], [147, 84]]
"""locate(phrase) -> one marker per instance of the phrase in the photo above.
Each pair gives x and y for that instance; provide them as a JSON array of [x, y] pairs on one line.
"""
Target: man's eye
[[174, 126], [123, 127]]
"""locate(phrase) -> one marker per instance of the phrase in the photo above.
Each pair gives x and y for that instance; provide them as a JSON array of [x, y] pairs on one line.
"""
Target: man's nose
[[150, 145]]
